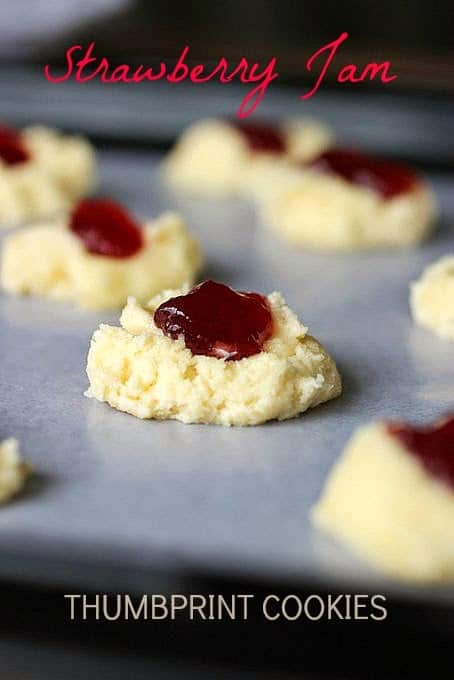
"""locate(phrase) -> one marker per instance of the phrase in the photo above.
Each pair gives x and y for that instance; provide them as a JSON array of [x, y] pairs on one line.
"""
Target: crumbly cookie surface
[[60, 170], [380, 501], [137, 369], [66, 271], [432, 298], [315, 210], [13, 471], [213, 157]]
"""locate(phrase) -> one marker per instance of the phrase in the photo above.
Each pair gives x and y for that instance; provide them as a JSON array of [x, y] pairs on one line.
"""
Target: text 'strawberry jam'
[[106, 229], [433, 446], [217, 321], [388, 179], [262, 137], [12, 149]]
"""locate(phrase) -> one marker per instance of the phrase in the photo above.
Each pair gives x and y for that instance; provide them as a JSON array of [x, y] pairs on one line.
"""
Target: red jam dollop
[[217, 321], [388, 179], [106, 229], [433, 446], [12, 149], [261, 137]]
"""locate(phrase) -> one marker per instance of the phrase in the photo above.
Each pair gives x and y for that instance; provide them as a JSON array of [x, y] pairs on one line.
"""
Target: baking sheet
[[116, 498]]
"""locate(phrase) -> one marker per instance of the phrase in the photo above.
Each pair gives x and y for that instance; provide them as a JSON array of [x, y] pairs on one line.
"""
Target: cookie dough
[[432, 298], [313, 209], [59, 170], [137, 369], [65, 271], [384, 503], [13, 471], [213, 157]]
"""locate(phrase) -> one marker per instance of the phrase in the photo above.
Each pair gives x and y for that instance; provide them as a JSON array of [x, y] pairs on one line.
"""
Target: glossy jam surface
[[262, 137], [388, 179], [433, 446], [217, 321], [106, 229], [12, 150]]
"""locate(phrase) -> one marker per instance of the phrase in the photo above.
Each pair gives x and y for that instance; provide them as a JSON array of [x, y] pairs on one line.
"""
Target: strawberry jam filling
[[386, 178], [433, 446], [105, 228], [12, 149], [262, 137], [217, 321]]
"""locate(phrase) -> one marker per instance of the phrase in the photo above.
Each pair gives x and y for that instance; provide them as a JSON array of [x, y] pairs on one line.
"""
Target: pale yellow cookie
[[324, 211], [432, 298], [137, 369], [382, 502], [212, 157], [51, 261], [60, 170], [13, 471]]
